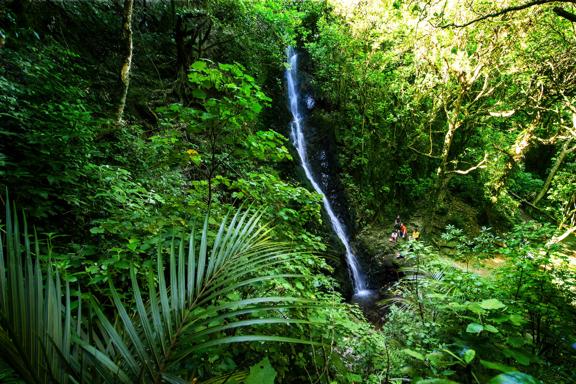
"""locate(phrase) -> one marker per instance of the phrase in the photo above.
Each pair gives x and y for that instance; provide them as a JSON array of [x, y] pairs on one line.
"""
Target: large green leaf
[[469, 355], [261, 373], [497, 366], [514, 378], [414, 354], [474, 328], [517, 355], [492, 304]]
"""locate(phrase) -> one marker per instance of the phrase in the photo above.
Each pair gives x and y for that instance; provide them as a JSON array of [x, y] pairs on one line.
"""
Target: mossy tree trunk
[[441, 173], [127, 47], [515, 157], [561, 156]]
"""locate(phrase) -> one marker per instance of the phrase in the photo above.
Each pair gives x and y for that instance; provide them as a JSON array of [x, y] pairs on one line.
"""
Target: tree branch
[[524, 201], [565, 14], [558, 239], [563, 153], [423, 154], [128, 48], [508, 10], [479, 165]]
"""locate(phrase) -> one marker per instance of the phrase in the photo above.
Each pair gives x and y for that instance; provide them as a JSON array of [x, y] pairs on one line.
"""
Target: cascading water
[[299, 142]]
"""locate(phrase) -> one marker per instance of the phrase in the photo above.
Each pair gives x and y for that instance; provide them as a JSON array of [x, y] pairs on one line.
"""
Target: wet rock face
[[322, 152], [321, 144], [382, 270], [322, 162]]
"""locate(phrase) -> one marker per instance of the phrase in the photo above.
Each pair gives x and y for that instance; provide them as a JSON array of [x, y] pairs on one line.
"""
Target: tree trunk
[[441, 172], [181, 61], [442, 180], [453, 124], [516, 156], [565, 151], [127, 64]]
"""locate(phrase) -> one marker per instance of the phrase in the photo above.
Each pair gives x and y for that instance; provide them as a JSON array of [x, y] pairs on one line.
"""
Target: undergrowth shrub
[[461, 325]]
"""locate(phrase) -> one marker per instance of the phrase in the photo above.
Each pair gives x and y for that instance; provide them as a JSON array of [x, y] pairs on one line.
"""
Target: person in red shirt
[[403, 231]]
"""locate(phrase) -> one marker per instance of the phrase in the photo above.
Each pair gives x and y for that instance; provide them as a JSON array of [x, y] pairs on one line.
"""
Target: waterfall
[[299, 142]]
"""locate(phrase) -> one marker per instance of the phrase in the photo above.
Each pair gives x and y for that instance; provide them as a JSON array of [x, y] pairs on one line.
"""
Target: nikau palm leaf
[[187, 311], [184, 311], [35, 324]]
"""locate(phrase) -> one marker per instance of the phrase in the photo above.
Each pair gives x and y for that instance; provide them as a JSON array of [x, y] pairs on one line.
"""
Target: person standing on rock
[[403, 231], [397, 223], [415, 234]]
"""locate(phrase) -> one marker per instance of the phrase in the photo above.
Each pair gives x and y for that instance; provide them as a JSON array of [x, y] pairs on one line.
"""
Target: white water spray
[[298, 140]]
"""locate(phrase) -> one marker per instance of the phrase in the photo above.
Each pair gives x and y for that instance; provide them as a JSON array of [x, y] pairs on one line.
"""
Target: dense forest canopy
[[158, 226]]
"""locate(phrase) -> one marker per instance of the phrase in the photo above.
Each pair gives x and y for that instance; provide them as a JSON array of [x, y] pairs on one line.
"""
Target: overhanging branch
[[513, 9], [481, 164], [565, 14], [558, 239], [423, 154]]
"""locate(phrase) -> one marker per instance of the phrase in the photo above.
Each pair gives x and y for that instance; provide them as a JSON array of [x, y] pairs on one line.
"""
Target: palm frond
[[35, 313], [236, 377], [186, 309]]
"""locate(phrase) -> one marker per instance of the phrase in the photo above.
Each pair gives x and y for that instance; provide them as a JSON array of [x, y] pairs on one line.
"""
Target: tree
[[529, 108], [461, 78], [127, 46], [228, 101]]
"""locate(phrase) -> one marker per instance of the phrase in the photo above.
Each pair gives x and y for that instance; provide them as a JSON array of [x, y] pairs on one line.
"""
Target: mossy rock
[[379, 255]]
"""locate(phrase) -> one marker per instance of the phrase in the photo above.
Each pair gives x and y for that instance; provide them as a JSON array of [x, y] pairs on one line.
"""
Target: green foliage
[[202, 302], [562, 194], [267, 146], [482, 245], [186, 314], [200, 135], [394, 87], [239, 97], [262, 373], [229, 101], [470, 325], [526, 184], [291, 207], [107, 187], [46, 115], [514, 378]]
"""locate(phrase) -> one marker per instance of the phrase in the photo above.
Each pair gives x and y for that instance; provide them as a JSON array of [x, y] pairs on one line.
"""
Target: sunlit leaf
[[514, 378], [492, 304], [469, 355], [474, 328], [414, 354], [497, 366]]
